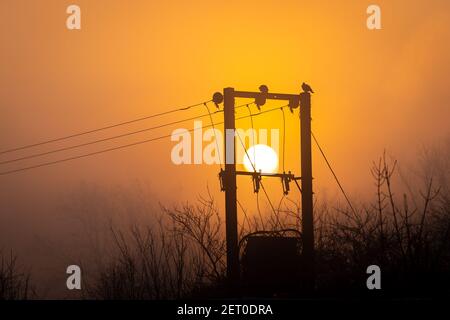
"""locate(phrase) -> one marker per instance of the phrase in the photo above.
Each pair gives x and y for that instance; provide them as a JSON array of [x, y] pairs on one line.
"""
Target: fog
[[376, 91]]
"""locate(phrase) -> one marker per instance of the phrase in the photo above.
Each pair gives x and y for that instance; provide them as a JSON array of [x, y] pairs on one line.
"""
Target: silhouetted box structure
[[271, 266]]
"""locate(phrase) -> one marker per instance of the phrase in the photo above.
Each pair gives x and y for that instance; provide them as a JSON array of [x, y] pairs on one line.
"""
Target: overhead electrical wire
[[107, 139], [261, 183], [259, 211], [215, 136], [254, 160], [116, 148], [102, 128], [254, 169], [245, 215], [334, 174], [253, 130], [117, 136]]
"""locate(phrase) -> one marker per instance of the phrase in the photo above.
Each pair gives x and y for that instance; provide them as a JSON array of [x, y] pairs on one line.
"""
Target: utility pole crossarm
[[273, 175], [269, 96]]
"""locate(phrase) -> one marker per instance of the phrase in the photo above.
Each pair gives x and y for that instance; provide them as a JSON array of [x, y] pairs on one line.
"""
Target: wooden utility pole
[[233, 270], [307, 192]]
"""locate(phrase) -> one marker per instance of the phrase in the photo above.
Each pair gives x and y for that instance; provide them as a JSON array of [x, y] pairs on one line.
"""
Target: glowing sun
[[263, 157]]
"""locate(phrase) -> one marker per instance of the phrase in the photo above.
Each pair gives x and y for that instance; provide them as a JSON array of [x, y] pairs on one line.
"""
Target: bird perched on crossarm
[[307, 88], [261, 98]]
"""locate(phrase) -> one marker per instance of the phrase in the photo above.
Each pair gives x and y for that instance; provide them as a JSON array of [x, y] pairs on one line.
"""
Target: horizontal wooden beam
[[271, 96], [277, 175]]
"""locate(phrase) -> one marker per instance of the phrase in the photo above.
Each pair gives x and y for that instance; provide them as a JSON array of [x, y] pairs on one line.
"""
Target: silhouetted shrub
[[14, 284], [407, 235]]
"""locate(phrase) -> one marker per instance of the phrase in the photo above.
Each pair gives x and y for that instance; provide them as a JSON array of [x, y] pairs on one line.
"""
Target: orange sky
[[374, 89]]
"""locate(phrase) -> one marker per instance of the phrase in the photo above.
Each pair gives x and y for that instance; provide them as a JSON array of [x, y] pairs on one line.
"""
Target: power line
[[259, 211], [262, 185], [84, 155], [115, 148], [97, 130], [121, 136], [334, 174], [253, 130], [102, 128], [215, 136], [244, 105], [254, 169], [106, 139], [245, 215], [254, 160]]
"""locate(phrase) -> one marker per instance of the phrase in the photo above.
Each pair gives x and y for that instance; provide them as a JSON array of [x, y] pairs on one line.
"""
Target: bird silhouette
[[263, 88], [307, 88], [217, 99], [261, 98]]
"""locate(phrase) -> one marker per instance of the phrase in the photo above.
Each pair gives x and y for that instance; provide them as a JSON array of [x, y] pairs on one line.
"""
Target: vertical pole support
[[233, 272], [307, 192]]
